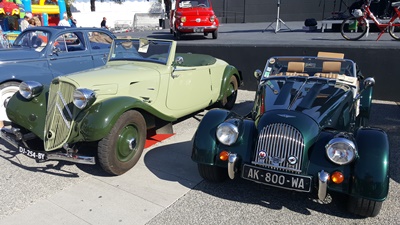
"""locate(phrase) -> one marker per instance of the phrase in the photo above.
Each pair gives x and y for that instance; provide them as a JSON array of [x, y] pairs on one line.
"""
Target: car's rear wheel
[[230, 95], [7, 90], [364, 207], [121, 149], [215, 34], [212, 173]]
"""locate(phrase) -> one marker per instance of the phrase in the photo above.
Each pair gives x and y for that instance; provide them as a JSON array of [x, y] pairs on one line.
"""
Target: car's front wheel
[[215, 34], [7, 90], [212, 173], [364, 207], [121, 149]]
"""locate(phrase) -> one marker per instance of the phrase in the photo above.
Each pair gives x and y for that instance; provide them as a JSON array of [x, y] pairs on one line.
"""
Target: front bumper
[[323, 176], [196, 29], [14, 137]]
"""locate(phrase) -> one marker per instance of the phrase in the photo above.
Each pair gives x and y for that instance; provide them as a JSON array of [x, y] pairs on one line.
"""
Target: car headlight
[[227, 133], [341, 151], [30, 89], [212, 18], [183, 19], [83, 97]]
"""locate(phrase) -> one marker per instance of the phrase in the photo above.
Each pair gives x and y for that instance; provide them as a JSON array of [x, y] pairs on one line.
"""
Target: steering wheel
[[202, 4]]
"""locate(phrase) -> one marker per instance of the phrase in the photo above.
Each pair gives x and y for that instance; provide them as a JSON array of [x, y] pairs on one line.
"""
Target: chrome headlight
[[30, 89], [341, 151], [227, 133], [83, 97]]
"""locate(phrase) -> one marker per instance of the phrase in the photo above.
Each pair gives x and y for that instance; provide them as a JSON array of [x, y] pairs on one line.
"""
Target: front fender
[[371, 170], [97, 122]]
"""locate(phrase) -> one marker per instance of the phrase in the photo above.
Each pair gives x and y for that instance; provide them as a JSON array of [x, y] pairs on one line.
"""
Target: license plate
[[32, 154], [198, 30], [277, 179]]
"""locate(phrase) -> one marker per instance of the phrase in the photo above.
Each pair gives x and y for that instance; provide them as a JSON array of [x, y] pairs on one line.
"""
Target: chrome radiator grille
[[280, 147], [59, 116]]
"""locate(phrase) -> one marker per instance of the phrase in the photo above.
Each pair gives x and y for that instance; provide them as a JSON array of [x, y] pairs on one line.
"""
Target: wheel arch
[[100, 119], [228, 73], [371, 170]]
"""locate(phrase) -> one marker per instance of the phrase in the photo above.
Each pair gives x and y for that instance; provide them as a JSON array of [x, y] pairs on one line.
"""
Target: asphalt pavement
[[165, 187]]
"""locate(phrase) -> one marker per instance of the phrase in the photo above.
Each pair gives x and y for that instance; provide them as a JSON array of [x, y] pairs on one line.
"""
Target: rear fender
[[371, 170], [228, 73]]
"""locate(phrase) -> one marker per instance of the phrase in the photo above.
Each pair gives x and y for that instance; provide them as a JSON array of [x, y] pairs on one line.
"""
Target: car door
[[99, 44], [69, 54], [189, 88]]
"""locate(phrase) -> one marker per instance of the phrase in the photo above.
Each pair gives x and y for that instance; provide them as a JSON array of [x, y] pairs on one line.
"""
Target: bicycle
[[357, 25]]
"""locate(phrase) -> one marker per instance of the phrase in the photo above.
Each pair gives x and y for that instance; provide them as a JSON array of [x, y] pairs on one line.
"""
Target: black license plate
[[32, 154], [277, 179]]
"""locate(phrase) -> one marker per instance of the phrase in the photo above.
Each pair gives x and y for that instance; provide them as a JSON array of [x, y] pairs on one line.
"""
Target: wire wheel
[[353, 28]]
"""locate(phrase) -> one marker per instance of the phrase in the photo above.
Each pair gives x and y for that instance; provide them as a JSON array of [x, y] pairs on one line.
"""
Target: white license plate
[[198, 30], [277, 179], [32, 154]]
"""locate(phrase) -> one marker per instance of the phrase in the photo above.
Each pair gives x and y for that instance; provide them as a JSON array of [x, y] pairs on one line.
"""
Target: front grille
[[278, 145], [59, 117]]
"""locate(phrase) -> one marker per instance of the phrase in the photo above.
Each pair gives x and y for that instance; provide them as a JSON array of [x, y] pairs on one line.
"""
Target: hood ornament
[[275, 160]]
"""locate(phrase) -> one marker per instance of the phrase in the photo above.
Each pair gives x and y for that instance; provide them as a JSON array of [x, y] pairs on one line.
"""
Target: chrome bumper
[[323, 178], [199, 27], [232, 165], [14, 137]]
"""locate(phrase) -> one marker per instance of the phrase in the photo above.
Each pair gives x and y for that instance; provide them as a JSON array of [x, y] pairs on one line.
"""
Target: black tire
[[171, 31], [212, 173], [215, 34], [7, 90], [178, 35], [121, 149], [394, 31], [229, 99], [350, 32], [364, 207]]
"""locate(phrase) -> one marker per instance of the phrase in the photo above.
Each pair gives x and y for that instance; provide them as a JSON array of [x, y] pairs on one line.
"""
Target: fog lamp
[[337, 177], [224, 155]]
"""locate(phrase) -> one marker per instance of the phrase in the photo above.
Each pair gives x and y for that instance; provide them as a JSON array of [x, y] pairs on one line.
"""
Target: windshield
[[309, 67], [141, 50], [35, 39], [198, 3]]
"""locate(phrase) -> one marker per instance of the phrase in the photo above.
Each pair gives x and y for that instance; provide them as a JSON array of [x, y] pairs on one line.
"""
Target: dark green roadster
[[307, 132]]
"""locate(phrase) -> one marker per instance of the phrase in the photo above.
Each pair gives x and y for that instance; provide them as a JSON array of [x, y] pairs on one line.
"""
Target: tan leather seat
[[294, 69], [330, 70], [331, 55]]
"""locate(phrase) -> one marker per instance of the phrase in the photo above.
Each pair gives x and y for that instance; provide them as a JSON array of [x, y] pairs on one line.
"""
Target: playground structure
[[49, 11]]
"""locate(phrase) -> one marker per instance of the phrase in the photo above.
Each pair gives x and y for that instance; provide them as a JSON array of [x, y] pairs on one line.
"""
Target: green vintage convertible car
[[143, 88], [307, 132]]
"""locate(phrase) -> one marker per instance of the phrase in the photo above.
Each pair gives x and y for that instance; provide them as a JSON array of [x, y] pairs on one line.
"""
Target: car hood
[[196, 11], [17, 54], [119, 79], [328, 102]]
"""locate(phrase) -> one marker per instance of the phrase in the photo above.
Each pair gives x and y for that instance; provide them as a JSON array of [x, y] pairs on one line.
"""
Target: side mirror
[[257, 74], [369, 82], [179, 60]]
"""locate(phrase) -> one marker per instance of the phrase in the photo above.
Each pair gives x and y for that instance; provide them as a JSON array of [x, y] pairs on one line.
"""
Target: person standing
[[24, 23], [72, 21], [103, 23], [64, 22]]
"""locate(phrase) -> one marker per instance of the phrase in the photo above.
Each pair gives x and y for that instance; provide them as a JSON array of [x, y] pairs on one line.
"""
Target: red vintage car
[[193, 17]]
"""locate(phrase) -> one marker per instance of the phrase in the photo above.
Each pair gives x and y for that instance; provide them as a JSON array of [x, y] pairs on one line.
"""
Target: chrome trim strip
[[323, 178], [231, 165], [71, 158], [65, 103], [63, 116]]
